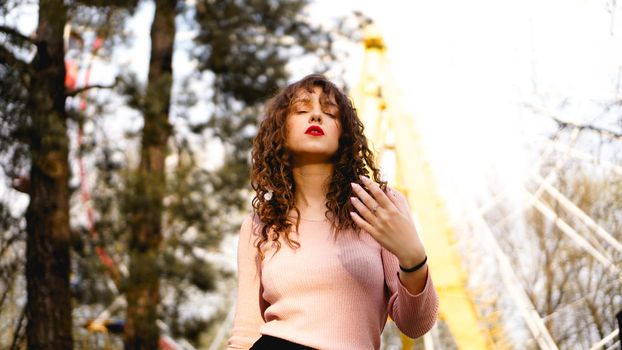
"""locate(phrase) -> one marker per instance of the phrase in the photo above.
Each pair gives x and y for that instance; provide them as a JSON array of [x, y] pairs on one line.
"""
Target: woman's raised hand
[[387, 218]]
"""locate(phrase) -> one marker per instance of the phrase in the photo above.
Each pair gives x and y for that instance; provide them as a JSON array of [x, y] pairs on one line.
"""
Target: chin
[[315, 155]]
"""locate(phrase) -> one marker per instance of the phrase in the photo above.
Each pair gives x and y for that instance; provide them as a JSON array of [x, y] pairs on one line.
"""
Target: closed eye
[[301, 111]]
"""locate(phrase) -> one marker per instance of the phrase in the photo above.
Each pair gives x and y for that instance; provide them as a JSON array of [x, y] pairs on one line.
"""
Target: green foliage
[[91, 281], [103, 18], [14, 124], [128, 4], [246, 44], [12, 261], [13, 238]]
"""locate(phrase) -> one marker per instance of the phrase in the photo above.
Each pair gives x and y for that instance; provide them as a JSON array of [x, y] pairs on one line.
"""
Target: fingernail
[[363, 178], [353, 199], [353, 184]]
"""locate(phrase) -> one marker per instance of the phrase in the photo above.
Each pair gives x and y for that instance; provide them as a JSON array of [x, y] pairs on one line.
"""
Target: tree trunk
[[47, 217], [142, 290]]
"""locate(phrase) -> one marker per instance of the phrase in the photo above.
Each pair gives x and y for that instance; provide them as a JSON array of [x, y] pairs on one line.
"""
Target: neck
[[311, 185]]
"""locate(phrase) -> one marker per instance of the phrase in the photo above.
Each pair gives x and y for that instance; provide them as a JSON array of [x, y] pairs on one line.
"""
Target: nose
[[316, 116]]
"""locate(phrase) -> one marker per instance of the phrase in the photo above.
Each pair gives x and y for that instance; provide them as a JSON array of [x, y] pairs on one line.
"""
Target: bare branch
[[7, 58], [604, 132], [18, 335], [16, 37], [8, 242], [75, 92]]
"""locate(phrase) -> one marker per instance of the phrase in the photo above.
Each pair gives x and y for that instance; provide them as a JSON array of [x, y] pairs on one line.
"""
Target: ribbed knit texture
[[327, 294]]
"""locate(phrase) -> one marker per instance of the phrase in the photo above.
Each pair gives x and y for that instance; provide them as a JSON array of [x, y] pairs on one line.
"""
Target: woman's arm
[[413, 302], [413, 313], [250, 304]]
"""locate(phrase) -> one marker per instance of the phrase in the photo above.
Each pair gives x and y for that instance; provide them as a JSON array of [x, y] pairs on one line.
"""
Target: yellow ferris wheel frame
[[390, 129]]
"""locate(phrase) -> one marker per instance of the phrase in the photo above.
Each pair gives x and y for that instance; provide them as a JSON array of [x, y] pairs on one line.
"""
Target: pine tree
[[45, 134], [145, 212], [35, 147]]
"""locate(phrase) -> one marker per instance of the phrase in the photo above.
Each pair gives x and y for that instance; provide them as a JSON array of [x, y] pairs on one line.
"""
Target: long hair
[[271, 173]]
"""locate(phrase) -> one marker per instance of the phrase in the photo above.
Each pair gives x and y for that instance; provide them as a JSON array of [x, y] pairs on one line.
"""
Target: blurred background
[[125, 138]]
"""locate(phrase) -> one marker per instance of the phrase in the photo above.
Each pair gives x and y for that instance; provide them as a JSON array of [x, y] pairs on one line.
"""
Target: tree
[[45, 134], [575, 294], [145, 212], [34, 134]]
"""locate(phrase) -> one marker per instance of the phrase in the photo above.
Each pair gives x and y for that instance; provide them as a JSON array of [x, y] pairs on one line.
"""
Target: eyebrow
[[301, 100], [328, 100], [323, 102], [329, 104]]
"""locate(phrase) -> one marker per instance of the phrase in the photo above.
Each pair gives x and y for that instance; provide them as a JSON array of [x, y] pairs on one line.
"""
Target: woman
[[328, 253]]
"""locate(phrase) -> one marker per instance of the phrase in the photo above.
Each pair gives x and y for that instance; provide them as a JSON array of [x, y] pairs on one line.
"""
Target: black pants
[[267, 342]]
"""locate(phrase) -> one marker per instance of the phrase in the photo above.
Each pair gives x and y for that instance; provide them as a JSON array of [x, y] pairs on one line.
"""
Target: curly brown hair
[[271, 173]]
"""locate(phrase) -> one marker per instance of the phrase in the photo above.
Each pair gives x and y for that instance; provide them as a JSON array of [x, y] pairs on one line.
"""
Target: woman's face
[[313, 126]]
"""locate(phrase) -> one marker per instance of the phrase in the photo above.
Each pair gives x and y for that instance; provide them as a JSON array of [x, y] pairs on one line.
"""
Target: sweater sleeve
[[414, 314], [250, 305]]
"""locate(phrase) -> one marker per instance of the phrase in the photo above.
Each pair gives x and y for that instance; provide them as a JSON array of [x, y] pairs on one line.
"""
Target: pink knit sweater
[[327, 294]]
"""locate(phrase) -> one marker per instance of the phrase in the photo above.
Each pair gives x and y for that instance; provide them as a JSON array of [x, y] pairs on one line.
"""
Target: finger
[[367, 214], [376, 192], [362, 223], [365, 197], [399, 200], [395, 197], [391, 193]]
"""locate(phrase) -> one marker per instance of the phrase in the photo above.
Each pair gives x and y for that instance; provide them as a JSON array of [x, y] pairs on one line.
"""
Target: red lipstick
[[315, 131]]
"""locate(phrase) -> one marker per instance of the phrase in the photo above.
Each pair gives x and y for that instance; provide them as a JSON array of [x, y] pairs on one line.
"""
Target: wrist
[[416, 267], [414, 257]]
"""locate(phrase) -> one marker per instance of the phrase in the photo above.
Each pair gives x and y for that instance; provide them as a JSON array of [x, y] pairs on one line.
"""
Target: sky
[[467, 70]]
